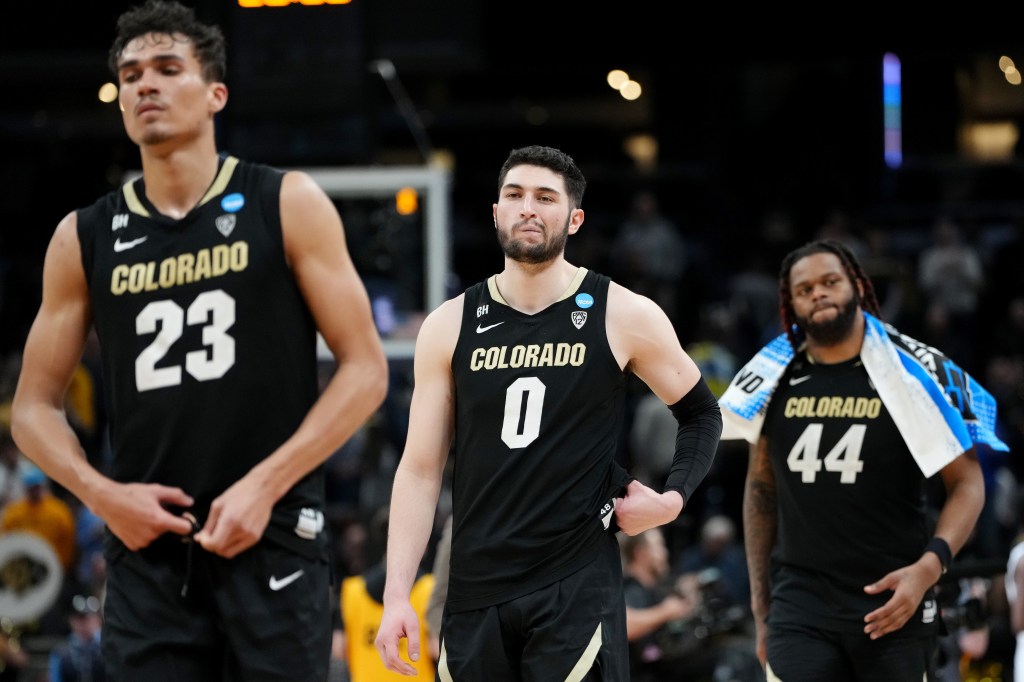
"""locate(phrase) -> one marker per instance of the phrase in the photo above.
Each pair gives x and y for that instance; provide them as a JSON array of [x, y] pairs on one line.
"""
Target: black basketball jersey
[[852, 501], [538, 414], [209, 351]]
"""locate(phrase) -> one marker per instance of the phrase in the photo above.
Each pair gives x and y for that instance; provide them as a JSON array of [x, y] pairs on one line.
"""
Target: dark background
[[753, 112]]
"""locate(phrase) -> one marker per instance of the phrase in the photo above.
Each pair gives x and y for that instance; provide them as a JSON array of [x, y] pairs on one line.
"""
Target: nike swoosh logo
[[481, 330], [798, 380], [120, 246], [284, 582]]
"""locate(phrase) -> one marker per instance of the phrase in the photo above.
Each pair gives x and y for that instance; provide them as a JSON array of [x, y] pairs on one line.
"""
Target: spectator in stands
[[13, 467], [649, 254], [78, 659], [652, 602], [44, 514], [719, 550], [950, 273]]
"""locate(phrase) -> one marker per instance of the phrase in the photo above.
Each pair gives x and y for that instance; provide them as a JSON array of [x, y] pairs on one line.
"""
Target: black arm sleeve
[[700, 429]]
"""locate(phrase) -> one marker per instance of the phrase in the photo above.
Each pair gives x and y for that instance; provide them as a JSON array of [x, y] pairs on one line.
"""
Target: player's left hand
[[237, 519], [644, 508], [908, 585]]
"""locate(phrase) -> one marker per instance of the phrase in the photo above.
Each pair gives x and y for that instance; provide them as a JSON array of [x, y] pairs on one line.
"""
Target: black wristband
[[940, 548]]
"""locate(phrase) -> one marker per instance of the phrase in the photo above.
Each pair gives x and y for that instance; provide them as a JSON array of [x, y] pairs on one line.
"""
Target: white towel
[[939, 409]]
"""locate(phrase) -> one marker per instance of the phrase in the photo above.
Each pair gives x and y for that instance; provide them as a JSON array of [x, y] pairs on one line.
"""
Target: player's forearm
[[964, 501], [354, 393], [759, 525], [700, 428], [413, 501], [43, 433]]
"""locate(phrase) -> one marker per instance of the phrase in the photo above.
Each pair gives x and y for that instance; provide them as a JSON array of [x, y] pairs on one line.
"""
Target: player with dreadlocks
[[864, 292], [841, 553]]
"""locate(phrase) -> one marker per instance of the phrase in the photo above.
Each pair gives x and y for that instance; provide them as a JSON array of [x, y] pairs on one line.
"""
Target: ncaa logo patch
[[584, 300], [579, 318], [233, 203]]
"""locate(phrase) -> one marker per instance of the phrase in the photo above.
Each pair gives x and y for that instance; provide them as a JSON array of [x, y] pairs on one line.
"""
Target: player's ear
[[575, 220], [217, 97]]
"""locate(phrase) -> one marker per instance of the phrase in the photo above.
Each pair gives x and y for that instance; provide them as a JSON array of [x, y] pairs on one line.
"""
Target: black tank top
[[852, 501], [209, 351], [538, 414]]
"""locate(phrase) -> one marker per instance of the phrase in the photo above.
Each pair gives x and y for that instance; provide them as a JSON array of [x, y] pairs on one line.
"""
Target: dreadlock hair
[[171, 18], [868, 301]]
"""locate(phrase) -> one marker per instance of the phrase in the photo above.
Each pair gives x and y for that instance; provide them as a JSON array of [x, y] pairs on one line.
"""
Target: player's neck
[[532, 287], [842, 351], [177, 180]]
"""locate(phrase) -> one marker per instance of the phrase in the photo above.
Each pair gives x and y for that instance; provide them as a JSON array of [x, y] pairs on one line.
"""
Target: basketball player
[[525, 373], [207, 280], [841, 555]]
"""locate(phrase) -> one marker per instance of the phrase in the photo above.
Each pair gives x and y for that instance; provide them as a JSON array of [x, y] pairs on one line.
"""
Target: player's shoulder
[[448, 315], [439, 331], [298, 182], [631, 309], [624, 297], [65, 242]]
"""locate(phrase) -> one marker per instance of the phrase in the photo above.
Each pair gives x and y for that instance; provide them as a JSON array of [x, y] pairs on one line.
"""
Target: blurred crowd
[[950, 284]]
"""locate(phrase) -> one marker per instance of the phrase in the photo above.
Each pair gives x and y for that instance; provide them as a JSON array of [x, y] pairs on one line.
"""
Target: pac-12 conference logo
[[579, 317], [232, 203]]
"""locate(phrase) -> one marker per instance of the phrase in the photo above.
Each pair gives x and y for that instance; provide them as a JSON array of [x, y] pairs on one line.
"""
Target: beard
[[830, 332], [533, 254], [154, 137]]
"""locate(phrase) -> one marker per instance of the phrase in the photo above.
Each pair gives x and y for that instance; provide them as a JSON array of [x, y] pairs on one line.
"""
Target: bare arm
[[435, 605], [315, 246], [644, 341], [133, 512], [760, 520], [418, 479], [965, 496]]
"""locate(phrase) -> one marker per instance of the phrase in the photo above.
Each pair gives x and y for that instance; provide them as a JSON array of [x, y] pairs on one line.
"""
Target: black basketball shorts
[[572, 630], [263, 616]]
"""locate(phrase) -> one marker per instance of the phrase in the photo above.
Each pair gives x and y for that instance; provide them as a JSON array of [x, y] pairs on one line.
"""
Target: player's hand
[[137, 512], [237, 519], [644, 508], [398, 622], [908, 585]]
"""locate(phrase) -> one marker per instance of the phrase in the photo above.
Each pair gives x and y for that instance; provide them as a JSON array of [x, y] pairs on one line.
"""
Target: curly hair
[[552, 159], [868, 301], [171, 18]]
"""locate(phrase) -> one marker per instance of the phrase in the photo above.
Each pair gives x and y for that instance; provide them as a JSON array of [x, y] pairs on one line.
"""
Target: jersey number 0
[[524, 404]]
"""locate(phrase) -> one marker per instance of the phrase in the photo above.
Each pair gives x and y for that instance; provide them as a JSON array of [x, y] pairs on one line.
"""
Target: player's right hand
[[137, 512], [398, 622]]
